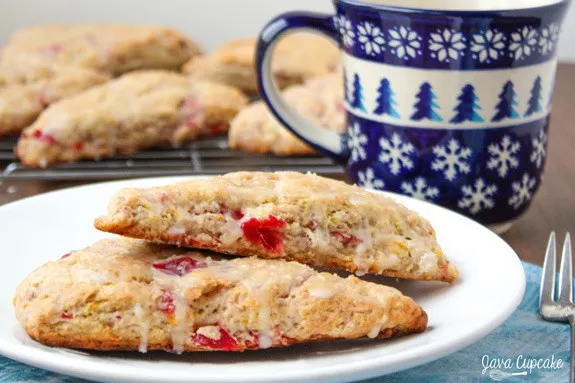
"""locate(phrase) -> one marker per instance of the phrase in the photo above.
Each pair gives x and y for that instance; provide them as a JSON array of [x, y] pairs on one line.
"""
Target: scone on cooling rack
[[256, 130], [138, 110], [284, 215], [124, 294], [297, 58], [114, 49], [21, 104]]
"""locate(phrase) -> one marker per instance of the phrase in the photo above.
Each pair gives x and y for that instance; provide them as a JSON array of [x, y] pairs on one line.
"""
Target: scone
[[123, 294], [109, 48], [139, 110], [293, 216], [21, 104], [297, 57], [256, 130]]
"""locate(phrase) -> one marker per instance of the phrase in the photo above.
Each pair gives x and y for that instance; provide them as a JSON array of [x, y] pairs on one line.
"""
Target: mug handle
[[331, 143]]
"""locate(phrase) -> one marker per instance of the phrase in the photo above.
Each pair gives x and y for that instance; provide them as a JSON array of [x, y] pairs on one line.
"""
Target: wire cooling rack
[[204, 157]]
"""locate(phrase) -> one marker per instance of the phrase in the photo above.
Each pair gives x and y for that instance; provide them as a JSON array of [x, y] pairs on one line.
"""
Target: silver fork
[[562, 309]]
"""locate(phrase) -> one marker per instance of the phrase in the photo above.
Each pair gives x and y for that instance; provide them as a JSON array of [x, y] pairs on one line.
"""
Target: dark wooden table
[[552, 209]]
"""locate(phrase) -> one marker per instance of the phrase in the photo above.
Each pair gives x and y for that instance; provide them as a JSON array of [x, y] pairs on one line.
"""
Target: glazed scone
[[297, 58], [21, 104], [297, 217], [109, 48], [124, 294], [138, 110], [256, 130]]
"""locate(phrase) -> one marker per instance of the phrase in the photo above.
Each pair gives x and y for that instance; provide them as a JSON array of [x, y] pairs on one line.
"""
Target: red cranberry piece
[[218, 128], [66, 315], [118, 316], [253, 343], [78, 146], [65, 255], [179, 266], [237, 214], [166, 303], [190, 111], [265, 232], [347, 239], [39, 135], [225, 343]]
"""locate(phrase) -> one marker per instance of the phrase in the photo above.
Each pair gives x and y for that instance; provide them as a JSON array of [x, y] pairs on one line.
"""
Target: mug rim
[[367, 6]]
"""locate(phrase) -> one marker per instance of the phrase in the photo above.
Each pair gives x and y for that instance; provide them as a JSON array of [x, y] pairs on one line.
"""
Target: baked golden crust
[[109, 48], [138, 110], [294, 216], [21, 104], [297, 58], [123, 294], [256, 130]]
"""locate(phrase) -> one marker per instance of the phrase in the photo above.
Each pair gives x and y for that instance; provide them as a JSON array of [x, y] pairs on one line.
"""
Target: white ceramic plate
[[42, 228]]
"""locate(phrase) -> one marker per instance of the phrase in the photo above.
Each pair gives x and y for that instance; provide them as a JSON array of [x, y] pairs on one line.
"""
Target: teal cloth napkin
[[525, 339]]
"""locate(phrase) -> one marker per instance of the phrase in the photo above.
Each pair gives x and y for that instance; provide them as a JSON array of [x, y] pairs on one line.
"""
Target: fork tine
[[548, 275], [566, 274]]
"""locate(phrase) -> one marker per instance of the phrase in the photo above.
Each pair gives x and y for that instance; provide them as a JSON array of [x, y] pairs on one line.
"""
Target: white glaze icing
[[142, 318]]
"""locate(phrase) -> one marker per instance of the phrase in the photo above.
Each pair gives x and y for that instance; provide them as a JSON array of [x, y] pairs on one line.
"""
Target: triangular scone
[[125, 294], [256, 130], [21, 104], [113, 49], [299, 217], [136, 111], [296, 58]]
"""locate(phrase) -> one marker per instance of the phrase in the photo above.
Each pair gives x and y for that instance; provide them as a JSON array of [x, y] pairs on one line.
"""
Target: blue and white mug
[[447, 101]]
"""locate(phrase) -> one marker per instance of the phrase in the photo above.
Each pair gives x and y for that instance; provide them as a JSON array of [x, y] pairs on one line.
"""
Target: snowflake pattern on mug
[[523, 43], [420, 189], [522, 191], [488, 45], [539, 149], [343, 24], [356, 143], [447, 45], [404, 42], [371, 38], [396, 153], [546, 42], [451, 159], [503, 156], [367, 180], [477, 197]]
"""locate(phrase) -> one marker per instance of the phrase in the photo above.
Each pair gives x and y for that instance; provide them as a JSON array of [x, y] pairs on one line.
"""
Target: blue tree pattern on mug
[[505, 106], [386, 100], [466, 109], [425, 107], [535, 99], [357, 94]]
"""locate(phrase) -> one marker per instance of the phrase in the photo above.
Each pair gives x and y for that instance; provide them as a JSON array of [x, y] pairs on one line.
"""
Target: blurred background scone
[[320, 100], [21, 104], [136, 111], [297, 58], [109, 48]]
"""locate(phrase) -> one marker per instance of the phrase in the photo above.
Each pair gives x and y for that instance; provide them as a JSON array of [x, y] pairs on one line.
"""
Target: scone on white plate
[[284, 215], [124, 294]]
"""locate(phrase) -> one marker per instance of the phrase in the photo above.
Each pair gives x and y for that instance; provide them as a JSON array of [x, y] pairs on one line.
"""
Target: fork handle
[[572, 364]]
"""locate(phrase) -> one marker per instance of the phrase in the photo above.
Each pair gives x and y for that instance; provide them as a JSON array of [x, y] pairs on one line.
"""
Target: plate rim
[[362, 369]]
